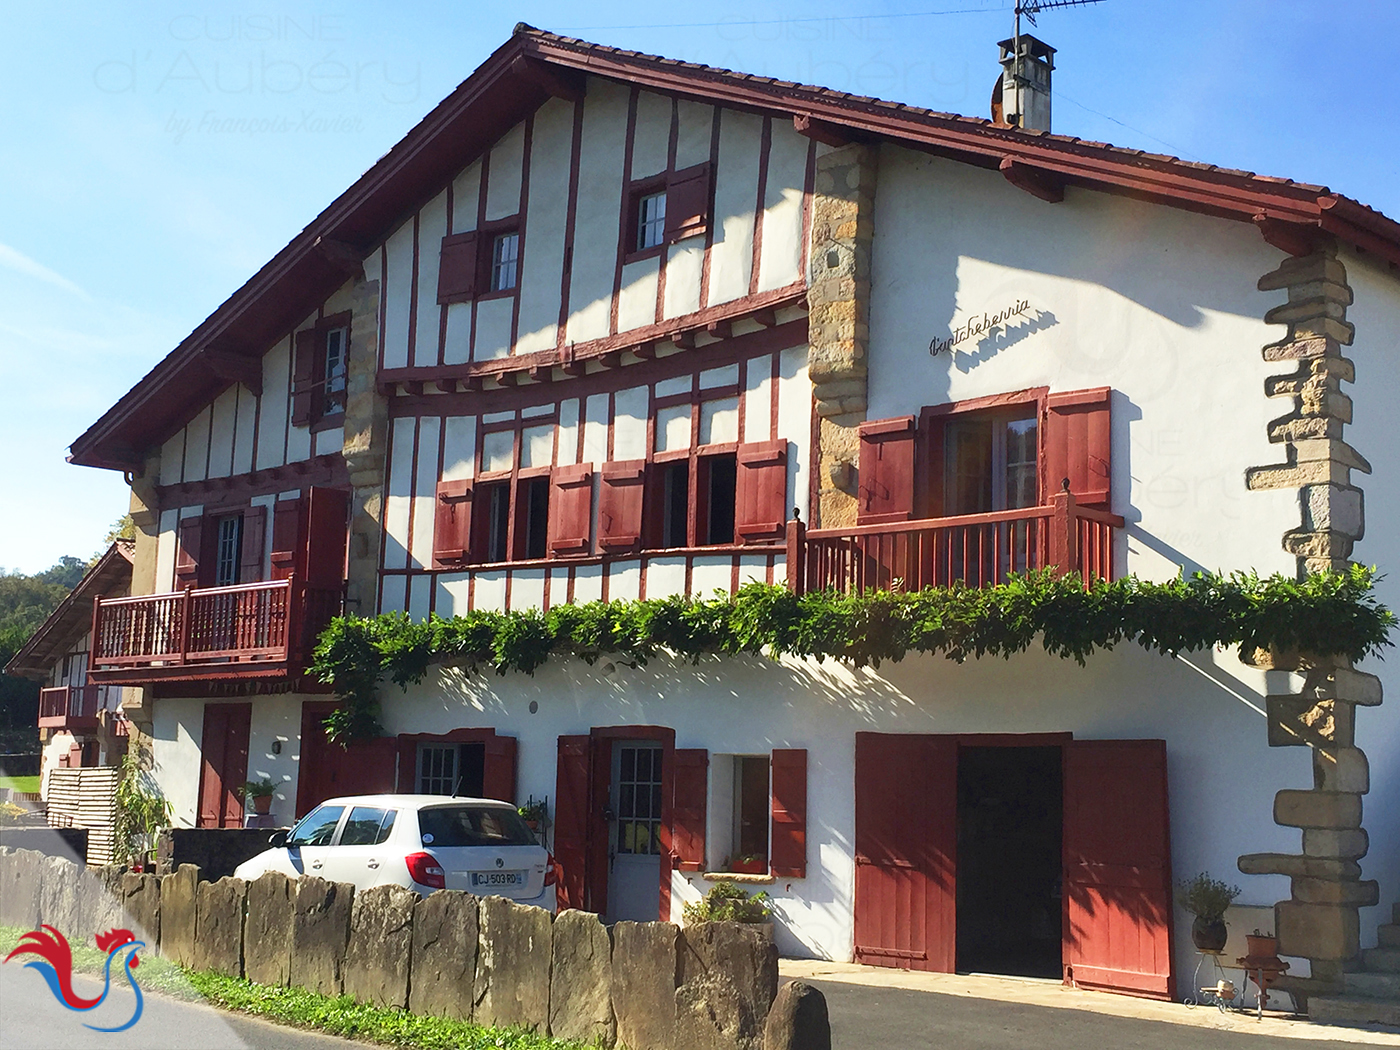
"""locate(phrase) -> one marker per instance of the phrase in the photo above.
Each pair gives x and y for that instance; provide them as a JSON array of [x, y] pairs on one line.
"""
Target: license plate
[[498, 878]]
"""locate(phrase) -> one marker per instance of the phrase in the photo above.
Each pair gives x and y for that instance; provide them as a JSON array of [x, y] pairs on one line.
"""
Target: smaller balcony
[[70, 707], [975, 550], [255, 630]]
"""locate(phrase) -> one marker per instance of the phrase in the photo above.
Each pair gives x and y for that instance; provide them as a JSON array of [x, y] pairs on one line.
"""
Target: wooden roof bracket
[[1294, 238], [234, 368], [820, 131], [1035, 181], [552, 80], [342, 255]]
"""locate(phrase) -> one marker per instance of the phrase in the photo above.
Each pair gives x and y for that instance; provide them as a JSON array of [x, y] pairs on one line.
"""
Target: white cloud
[[17, 261]]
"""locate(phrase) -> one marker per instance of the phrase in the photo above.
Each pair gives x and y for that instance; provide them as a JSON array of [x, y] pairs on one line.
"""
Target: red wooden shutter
[[224, 764], [620, 505], [687, 202], [189, 544], [690, 786], [452, 522], [760, 498], [886, 490], [327, 533], [457, 268], [309, 345], [571, 819], [1078, 442], [286, 538], [570, 509], [1117, 850], [326, 769], [906, 851], [498, 772], [788, 852], [250, 557]]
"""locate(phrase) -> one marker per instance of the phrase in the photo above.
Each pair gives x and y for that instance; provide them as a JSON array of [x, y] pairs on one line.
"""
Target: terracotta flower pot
[[1209, 935], [1262, 946], [262, 804]]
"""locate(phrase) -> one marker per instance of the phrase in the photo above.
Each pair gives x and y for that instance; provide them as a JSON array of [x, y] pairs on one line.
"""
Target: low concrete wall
[[647, 986]]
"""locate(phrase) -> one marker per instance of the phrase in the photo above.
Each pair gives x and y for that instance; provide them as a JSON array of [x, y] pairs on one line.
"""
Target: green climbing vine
[[1331, 613]]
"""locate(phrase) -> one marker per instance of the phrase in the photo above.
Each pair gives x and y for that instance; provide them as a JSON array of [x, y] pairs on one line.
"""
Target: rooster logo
[[55, 964]]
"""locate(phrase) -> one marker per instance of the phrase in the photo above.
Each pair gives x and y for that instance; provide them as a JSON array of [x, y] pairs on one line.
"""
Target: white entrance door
[[634, 876]]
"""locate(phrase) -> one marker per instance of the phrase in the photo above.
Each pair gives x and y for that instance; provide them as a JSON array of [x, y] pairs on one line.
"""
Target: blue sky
[[154, 156]]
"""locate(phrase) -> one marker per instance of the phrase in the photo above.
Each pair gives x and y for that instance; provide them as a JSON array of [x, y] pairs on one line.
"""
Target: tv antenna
[[1031, 8]]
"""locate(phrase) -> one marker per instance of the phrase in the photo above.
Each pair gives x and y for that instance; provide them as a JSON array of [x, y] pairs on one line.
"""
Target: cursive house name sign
[[978, 327]]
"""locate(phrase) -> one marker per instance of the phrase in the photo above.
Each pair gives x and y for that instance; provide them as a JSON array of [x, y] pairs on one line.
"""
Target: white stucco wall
[[1157, 303]]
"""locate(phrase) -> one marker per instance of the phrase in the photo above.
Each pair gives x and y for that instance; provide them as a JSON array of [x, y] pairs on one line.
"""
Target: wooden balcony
[[255, 630], [977, 550], [70, 707]]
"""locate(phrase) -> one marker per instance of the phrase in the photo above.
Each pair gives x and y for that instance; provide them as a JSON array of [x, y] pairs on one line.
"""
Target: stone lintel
[[1317, 809], [1341, 768], [1317, 931], [1350, 844], [1348, 894], [1304, 721], [1298, 867], [1300, 270]]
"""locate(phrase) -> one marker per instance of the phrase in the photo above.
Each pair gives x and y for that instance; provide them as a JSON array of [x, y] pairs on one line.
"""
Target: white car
[[420, 842]]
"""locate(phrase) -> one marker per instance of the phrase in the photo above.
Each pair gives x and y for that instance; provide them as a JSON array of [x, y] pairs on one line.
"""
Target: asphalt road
[[31, 1019], [873, 1018]]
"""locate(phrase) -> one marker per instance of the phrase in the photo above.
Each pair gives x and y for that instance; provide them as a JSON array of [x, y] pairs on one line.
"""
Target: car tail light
[[423, 868], [551, 871]]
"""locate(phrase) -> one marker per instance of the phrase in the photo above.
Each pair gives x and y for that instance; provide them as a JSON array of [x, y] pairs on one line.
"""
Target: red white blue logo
[[55, 964]]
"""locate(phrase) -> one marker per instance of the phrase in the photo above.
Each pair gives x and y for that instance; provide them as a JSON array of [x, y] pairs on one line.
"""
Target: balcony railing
[[71, 707], [978, 550], [266, 628]]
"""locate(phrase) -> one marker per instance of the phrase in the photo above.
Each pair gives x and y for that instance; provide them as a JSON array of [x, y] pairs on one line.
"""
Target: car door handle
[[315, 863], [374, 864]]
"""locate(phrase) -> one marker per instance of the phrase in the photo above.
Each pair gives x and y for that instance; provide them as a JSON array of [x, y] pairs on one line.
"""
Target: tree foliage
[[1335, 613]]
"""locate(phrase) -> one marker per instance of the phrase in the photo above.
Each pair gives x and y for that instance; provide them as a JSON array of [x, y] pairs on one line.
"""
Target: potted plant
[[747, 864], [727, 902], [1207, 899], [534, 813], [261, 792]]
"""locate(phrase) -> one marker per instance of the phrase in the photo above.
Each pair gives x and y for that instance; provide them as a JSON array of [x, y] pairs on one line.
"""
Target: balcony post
[[96, 647], [185, 623], [296, 600], [797, 554], [1064, 546]]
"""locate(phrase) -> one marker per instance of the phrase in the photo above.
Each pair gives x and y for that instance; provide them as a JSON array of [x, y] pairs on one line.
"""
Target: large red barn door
[[906, 842], [1117, 852], [223, 764], [326, 770]]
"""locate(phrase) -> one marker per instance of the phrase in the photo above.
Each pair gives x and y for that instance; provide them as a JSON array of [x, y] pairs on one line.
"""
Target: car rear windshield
[[473, 826]]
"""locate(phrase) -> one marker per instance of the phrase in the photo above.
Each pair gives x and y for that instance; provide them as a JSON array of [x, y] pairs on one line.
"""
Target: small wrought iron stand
[[1221, 995]]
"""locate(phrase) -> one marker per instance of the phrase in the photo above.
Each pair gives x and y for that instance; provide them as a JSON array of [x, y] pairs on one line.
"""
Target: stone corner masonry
[[1320, 922]]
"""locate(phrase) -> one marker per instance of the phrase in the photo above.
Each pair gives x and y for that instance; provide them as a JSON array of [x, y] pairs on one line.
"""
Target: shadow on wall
[[1000, 339]]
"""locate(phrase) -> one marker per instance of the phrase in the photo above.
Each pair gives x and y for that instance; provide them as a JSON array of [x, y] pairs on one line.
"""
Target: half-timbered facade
[[605, 326]]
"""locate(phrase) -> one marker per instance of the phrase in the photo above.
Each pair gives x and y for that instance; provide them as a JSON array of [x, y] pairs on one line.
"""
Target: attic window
[[505, 260], [664, 209]]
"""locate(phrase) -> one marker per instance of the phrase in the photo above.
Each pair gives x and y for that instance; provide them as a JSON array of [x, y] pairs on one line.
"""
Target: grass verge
[[28, 784], [336, 1015]]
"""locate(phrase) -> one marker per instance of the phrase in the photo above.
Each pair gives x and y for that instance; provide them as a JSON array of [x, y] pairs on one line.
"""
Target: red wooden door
[[1117, 853], [224, 764], [364, 767], [906, 839]]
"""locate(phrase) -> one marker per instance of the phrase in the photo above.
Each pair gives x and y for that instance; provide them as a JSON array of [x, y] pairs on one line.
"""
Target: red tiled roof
[[509, 84]]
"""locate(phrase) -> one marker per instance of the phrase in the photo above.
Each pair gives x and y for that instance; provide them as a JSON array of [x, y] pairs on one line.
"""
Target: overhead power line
[[786, 21]]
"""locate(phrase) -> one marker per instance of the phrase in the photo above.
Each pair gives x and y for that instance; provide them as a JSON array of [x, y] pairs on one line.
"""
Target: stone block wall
[[647, 986]]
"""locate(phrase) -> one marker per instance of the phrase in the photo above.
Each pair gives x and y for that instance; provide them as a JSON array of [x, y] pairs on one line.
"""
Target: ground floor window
[[451, 769]]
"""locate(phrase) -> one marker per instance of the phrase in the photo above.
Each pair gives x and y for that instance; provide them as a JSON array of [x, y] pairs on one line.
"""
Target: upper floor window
[[228, 550], [990, 464], [651, 221], [335, 370], [505, 260], [666, 208], [320, 372]]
